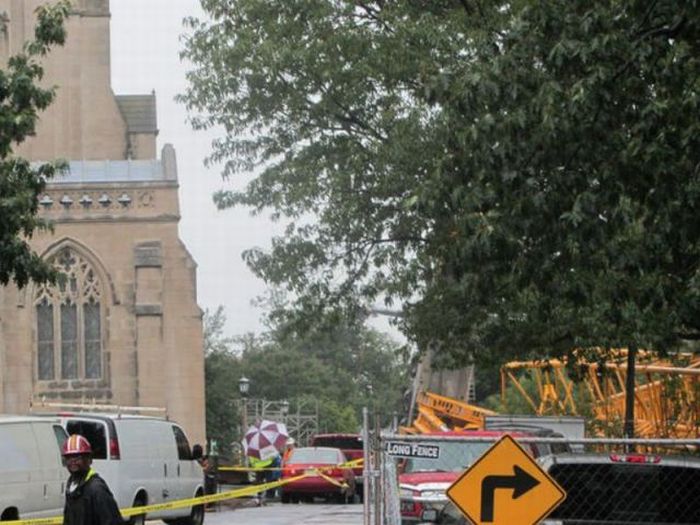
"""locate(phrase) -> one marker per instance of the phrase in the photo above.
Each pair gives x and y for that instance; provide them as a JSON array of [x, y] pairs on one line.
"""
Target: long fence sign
[[412, 450]]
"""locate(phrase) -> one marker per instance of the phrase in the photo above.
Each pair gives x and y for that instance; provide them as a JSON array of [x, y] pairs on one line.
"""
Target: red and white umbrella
[[265, 440]]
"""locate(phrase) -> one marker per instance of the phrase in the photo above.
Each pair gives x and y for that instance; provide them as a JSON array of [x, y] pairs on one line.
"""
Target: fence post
[[377, 472], [365, 468]]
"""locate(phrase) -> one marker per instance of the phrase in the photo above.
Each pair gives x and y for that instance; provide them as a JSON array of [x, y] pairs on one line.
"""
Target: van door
[[163, 448], [96, 431], [20, 473], [50, 438], [189, 472], [144, 456]]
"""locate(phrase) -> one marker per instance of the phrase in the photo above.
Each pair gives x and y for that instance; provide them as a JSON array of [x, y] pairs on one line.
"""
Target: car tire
[[285, 497], [138, 519], [196, 516]]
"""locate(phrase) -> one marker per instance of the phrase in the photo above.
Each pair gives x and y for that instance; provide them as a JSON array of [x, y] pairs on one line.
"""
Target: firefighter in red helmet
[[88, 499]]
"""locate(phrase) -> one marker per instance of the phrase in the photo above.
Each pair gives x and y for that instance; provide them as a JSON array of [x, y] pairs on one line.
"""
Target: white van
[[32, 475], [144, 460]]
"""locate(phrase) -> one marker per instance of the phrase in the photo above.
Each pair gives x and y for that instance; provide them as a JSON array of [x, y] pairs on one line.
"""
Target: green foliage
[[21, 101], [335, 416], [344, 368], [513, 402], [521, 177], [221, 374], [337, 370]]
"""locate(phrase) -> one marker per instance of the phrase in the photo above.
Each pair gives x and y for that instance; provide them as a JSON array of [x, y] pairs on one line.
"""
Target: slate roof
[[111, 171], [139, 112]]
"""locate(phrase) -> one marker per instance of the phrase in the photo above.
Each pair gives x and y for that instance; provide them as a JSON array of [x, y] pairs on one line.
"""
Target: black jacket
[[91, 503]]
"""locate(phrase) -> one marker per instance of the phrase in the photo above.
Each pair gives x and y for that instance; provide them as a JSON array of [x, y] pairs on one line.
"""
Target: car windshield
[[326, 456], [342, 442], [454, 457]]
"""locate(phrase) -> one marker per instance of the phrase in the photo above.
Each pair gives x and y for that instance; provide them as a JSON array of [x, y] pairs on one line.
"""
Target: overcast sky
[[145, 57]]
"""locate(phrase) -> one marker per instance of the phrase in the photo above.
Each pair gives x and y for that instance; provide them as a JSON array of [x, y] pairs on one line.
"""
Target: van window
[[94, 432], [183, 447], [61, 436]]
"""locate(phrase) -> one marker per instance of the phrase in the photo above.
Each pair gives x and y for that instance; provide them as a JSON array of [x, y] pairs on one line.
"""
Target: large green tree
[[222, 370], [21, 101], [343, 368], [517, 176], [337, 369]]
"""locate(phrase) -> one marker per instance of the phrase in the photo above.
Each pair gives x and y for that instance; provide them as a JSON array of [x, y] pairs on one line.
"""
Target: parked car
[[353, 448], [423, 482], [144, 460], [305, 459], [615, 488], [32, 475]]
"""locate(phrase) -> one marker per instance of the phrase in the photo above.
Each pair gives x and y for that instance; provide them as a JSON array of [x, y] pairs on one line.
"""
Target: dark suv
[[606, 489]]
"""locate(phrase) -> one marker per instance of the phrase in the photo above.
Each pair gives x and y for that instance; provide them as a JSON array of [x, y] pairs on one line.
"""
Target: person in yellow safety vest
[[261, 476]]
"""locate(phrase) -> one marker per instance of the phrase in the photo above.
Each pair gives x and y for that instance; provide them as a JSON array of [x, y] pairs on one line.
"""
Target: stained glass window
[[69, 341], [69, 322], [44, 320], [93, 345]]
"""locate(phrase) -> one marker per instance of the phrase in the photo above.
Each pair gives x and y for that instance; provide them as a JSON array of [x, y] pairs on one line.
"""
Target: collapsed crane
[[667, 392], [436, 413]]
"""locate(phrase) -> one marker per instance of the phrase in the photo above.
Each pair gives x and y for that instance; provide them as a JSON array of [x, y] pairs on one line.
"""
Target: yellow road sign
[[505, 486]]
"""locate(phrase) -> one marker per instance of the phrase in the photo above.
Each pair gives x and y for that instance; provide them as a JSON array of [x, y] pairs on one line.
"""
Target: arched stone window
[[69, 322]]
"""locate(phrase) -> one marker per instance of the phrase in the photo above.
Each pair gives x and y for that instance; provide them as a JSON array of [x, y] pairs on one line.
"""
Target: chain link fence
[[606, 481]]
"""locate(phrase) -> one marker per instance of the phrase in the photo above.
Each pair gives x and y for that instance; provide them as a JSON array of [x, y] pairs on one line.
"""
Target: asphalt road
[[276, 513]]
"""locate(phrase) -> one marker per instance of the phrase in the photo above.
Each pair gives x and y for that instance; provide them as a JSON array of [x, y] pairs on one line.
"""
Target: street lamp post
[[243, 387]]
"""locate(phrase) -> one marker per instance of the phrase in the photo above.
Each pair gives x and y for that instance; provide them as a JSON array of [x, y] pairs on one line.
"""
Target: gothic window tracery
[[69, 322]]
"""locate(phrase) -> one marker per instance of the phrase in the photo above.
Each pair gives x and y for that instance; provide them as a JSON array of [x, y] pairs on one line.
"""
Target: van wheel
[[196, 517], [138, 519], [10, 514]]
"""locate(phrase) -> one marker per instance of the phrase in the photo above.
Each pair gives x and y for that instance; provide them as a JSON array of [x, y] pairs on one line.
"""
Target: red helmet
[[75, 445]]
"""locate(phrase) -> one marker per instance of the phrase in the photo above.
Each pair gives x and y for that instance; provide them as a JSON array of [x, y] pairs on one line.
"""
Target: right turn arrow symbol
[[520, 482]]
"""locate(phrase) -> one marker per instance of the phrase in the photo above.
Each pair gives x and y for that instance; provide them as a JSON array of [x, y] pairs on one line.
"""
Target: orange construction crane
[[667, 395], [438, 413]]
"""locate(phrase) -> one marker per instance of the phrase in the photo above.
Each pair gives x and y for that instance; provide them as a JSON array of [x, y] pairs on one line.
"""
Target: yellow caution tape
[[349, 464], [38, 521], [178, 504], [211, 498], [333, 480]]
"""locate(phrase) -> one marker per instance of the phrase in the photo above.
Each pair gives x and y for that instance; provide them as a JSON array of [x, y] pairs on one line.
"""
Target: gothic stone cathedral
[[125, 328]]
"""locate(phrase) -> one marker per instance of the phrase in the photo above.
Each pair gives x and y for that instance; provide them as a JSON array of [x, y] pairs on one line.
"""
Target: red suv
[[423, 482], [352, 447]]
